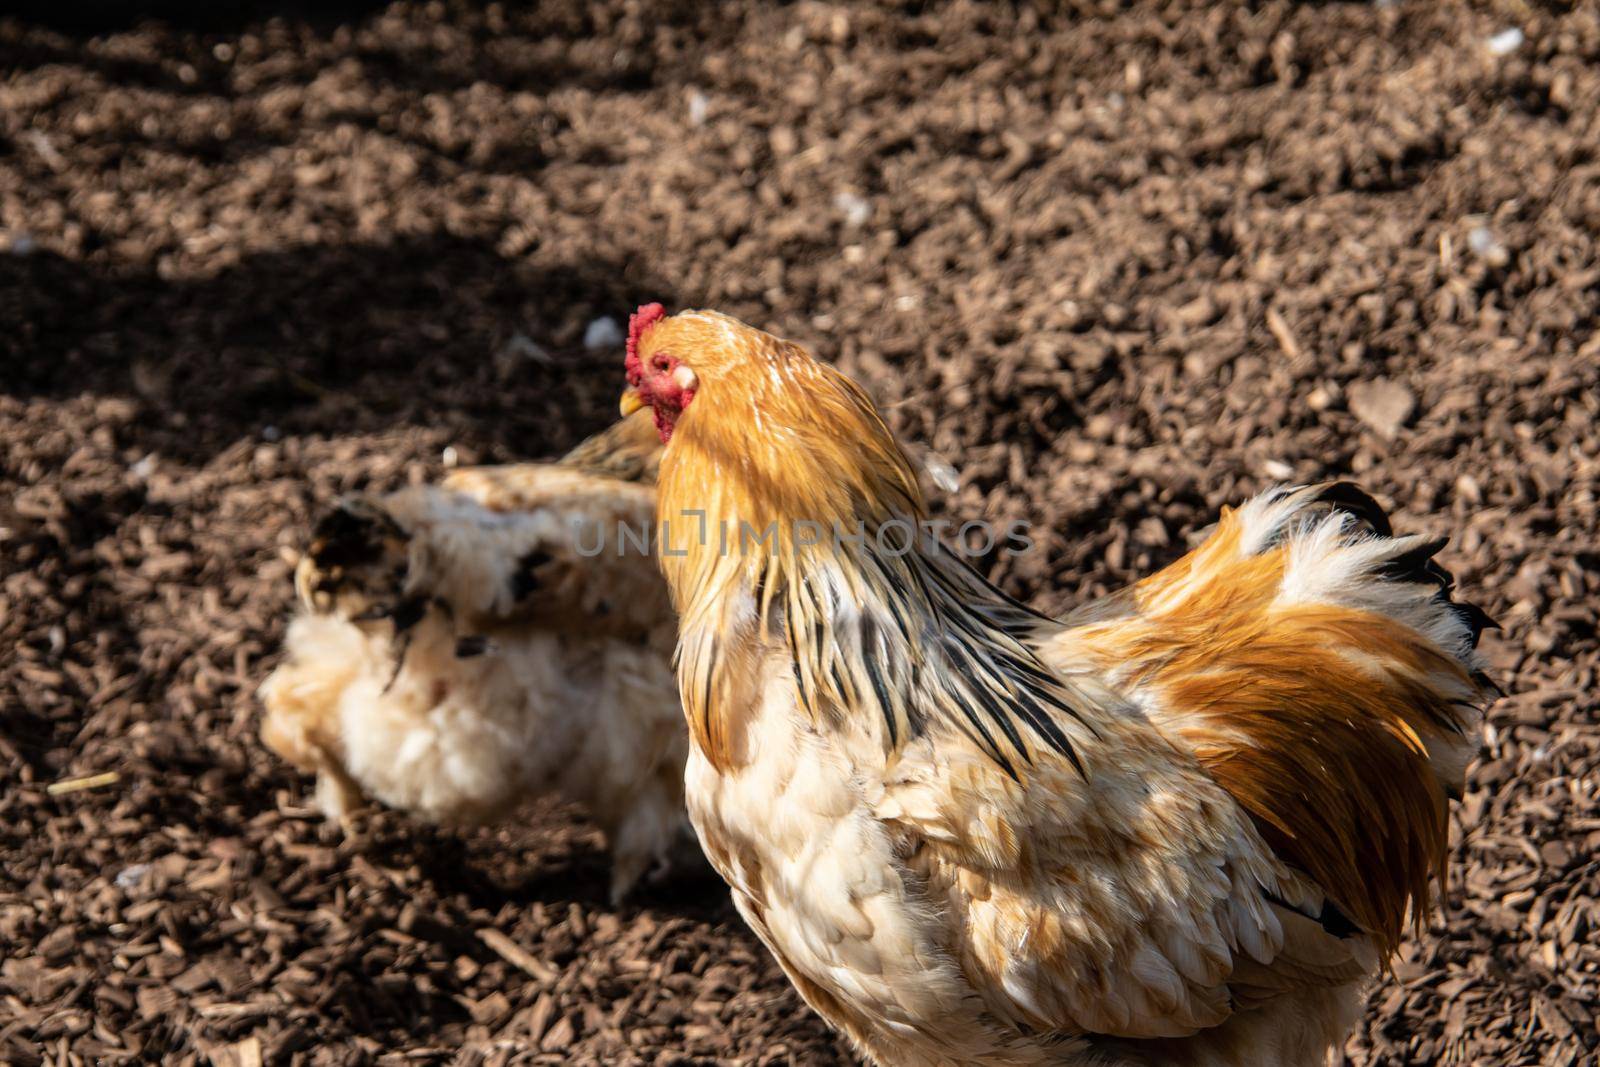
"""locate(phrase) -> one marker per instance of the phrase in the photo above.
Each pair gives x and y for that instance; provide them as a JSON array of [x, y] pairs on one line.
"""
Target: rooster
[[464, 647], [1186, 825]]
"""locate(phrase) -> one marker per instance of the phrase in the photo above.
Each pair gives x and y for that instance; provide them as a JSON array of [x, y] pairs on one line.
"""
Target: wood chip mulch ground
[[1120, 267]]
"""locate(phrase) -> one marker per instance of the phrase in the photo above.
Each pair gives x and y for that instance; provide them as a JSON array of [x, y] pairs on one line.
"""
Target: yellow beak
[[631, 401]]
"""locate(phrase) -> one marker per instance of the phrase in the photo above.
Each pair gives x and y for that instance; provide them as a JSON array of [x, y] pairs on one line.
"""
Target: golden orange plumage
[[1184, 825], [1315, 717]]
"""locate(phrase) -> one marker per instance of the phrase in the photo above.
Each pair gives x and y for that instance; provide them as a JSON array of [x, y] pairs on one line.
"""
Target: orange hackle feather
[[1314, 717], [761, 399]]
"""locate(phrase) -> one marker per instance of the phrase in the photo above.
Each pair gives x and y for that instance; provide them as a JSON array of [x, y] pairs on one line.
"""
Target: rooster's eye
[[661, 363]]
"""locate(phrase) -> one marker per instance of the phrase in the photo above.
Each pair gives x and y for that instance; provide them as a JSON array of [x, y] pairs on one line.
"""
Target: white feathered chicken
[[463, 647]]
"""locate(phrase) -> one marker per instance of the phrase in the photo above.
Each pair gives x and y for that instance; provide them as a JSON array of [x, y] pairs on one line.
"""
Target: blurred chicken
[[464, 647], [1186, 826]]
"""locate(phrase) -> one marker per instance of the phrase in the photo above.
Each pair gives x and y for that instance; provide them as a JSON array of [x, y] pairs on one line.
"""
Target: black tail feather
[[1415, 565], [1352, 499]]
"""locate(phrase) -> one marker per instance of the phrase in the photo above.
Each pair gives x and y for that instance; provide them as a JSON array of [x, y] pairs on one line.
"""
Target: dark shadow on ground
[[325, 340], [549, 52], [92, 17]]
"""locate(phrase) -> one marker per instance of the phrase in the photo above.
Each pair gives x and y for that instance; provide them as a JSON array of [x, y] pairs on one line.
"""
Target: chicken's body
[[1182, 828], [464, 647]]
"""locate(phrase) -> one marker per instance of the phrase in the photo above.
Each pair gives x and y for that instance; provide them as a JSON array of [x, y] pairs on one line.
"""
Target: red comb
[[647, 315]]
